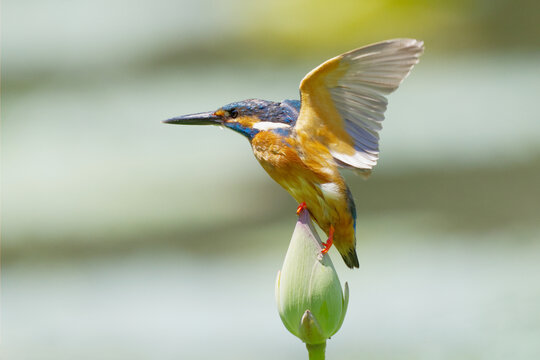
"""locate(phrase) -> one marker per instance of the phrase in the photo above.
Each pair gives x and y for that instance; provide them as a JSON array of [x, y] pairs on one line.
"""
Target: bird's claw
[[327, 246], [329, 242], [301, 207]]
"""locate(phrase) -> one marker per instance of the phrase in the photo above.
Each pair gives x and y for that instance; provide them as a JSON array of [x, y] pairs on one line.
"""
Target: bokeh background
[[123, 238]]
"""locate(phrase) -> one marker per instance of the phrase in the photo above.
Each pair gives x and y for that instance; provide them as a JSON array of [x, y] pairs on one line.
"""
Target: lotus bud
[[309, 296]]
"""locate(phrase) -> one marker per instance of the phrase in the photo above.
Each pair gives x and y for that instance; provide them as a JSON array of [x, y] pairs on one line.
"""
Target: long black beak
[[204, 118]]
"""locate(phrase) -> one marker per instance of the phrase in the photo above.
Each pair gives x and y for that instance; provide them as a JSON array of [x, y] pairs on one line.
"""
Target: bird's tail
[[350, 257]]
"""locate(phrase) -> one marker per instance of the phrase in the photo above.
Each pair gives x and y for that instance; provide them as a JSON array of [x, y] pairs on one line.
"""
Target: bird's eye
[[233, 113]]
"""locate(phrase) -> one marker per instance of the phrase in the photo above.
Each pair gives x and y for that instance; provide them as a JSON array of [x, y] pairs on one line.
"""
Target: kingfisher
[[303, 144]]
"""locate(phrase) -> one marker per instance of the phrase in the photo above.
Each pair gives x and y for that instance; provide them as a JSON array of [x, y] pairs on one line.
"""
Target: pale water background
[[123, 238]]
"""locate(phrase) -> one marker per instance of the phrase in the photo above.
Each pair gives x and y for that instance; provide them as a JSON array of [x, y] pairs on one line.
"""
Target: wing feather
[[343, 100]]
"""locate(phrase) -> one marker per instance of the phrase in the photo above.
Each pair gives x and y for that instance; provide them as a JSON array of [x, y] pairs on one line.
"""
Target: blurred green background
[[123, 238]]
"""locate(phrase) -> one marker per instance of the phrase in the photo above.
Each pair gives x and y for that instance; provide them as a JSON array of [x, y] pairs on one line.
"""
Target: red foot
[[301, 207], [329, 242]]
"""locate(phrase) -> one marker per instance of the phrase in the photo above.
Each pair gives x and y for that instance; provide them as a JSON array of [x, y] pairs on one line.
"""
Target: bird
[[303, 144]]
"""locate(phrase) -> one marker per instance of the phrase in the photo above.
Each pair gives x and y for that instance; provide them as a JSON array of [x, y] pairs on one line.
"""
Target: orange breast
[[281, 158], [307, 171]]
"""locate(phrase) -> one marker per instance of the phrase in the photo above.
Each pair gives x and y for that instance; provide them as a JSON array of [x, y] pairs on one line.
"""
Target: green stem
[[316, 351]]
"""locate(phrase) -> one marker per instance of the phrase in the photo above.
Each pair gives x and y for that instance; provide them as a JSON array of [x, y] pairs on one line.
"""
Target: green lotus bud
[[309, 297]]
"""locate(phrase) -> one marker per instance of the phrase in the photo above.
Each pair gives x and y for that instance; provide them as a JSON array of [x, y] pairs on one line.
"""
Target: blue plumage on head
[[285, 112]]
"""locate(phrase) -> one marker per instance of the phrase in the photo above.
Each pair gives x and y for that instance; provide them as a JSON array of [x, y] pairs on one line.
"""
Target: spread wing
[[343, 100]]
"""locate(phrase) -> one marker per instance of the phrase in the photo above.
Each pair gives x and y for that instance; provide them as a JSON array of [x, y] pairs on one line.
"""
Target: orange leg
[[301, 207], [329, 242]]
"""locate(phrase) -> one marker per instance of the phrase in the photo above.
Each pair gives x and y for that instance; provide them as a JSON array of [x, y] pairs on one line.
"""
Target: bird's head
[[247, 117]]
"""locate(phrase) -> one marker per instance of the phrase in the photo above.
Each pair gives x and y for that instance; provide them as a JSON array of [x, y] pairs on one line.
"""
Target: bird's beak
[[204, 118]]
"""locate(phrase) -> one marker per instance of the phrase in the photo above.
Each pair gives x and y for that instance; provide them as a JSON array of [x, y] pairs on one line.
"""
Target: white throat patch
[[268, 125]]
